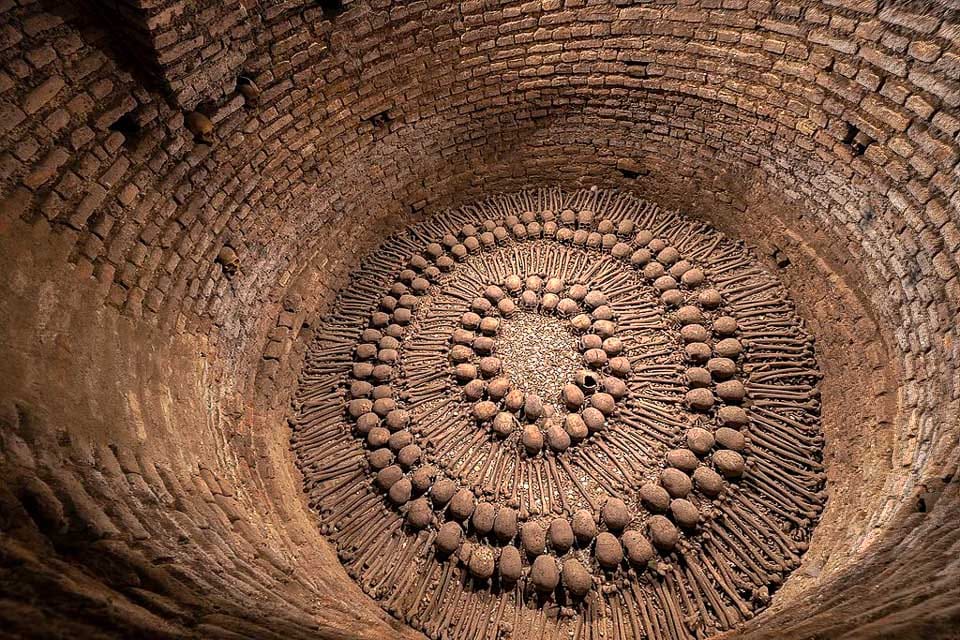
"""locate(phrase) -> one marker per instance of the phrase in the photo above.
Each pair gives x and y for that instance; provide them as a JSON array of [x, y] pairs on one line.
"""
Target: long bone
[[617, 618], [349, 457], [318, 413], [761, 309], [465, 470], [805, 364], [779, 395], [762, 440], [736, 294], [593, 468], [472, 615], [515, 485], [809, 406], [304, 435], [786, 501], [708, 590], [367, 538], [759, 568], [799, 427], [426, 393], [554, 474], [651, 412], [627, 474], [640, 599], [672, 607], [746, 579], [314, 395], [638, 446], [430, 611], [798, 452], [700, 618], [775, 349], [495, 483], [355, 527], [440, 432], [456, 605], [317, 435], [785, 427], [346, 466], [785, 373], [720, 578], [527, 484], [787, 388], [659, 624], [343, 499], [425, 580], [779, 473], [740, 504], [785, 512], [318, 495], [457, 452], [675, 583], [546, 490], [481, 472], [726, 284], [409, 583], [716, 268], [425, 378], [374, 568], [400, 572], [576, 483]]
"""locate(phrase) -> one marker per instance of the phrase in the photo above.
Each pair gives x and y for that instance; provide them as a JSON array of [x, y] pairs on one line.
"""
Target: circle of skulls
[[563, 415]]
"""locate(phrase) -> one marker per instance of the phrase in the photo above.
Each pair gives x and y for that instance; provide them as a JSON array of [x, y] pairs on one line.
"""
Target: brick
[[837, 43], [9, 36], [919, 106], [44, 93], [948, 65], [947, 91], [10, 117], [923, 50], [44, 171], [883, 60], [945, 266], [922, 23], [37, 24], [888, 115], [89, 204]]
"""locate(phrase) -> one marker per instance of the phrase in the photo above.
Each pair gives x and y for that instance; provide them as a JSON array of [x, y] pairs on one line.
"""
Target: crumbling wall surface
[[159, 290]]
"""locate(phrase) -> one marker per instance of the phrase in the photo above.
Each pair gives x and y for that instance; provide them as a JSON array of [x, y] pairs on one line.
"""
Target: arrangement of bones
[[563, 415]]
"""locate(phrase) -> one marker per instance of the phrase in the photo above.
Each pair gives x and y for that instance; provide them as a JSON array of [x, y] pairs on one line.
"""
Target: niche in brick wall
[[332, 8], [128, 126], [200, 124], [380, 122], [248, 89], [630, 169], [380, 119], [857, 140]]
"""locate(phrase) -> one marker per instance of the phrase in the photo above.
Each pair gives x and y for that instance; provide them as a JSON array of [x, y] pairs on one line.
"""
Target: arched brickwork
[[144, 443]]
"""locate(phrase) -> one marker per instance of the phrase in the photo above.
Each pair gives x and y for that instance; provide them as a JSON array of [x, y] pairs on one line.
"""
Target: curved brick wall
[[148, 486]]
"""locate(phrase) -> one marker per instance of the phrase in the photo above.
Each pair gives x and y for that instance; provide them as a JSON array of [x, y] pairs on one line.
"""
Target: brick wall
[[839, 118]]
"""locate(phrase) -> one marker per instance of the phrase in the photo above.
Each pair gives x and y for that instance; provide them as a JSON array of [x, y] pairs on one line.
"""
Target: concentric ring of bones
[[659, 479]]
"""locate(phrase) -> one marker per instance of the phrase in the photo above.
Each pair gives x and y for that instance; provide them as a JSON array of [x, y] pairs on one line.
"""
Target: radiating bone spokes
[[662, 484]]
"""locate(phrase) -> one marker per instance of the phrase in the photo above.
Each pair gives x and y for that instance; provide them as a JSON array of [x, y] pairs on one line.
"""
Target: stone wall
[[143, 437]]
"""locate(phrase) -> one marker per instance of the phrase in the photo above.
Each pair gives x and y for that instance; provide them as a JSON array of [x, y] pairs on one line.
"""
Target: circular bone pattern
[[661, 482]]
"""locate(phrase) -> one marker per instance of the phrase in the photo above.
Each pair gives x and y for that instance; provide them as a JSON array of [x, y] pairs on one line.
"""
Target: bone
[[642, 418]]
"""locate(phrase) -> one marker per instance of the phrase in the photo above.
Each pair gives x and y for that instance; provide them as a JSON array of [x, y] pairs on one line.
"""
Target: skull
[[229, 261], [200, 126]]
